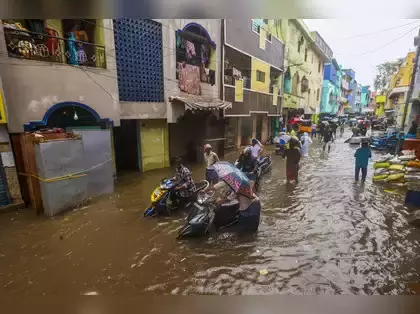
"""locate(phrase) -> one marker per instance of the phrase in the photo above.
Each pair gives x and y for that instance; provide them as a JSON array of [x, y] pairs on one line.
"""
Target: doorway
[[126, 146]]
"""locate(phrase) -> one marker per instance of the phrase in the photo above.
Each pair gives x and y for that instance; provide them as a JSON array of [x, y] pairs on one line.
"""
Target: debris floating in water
[[91, 293], [183, 259], [263, 272]]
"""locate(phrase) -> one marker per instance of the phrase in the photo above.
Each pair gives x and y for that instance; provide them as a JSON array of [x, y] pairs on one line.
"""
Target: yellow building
[[306, 53], [398, 88], [380, 101]]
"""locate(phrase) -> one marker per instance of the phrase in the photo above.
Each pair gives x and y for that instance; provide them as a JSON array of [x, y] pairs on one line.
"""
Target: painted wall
[[154, 145], [213, 27], [291, 31], [263, 67], [239, 34], [32, 87]]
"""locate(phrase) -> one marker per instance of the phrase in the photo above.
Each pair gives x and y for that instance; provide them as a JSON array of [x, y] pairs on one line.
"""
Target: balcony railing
[[34, 46], [230, 80]]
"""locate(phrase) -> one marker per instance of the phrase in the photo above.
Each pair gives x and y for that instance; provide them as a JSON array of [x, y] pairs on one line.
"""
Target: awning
[[398, 90], [199, 103]]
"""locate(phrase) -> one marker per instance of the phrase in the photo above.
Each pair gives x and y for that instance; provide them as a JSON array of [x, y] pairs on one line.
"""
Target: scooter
[[263, 166], [206, 217], [164, 202]]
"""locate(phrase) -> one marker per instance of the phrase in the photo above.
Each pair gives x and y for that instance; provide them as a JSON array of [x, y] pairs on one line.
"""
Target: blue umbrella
[[233, 177]]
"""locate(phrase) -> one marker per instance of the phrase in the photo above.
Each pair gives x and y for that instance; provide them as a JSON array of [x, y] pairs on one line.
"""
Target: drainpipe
[[410, 92]]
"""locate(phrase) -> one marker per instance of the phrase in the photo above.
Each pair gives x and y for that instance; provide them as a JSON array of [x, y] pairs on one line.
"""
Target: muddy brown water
[[327, 235]]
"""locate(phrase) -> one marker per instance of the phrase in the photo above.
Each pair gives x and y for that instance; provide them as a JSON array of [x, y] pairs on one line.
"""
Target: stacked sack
[[397, 169]]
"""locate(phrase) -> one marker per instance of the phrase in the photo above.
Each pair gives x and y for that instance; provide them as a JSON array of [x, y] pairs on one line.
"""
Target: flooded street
[[327, 235]]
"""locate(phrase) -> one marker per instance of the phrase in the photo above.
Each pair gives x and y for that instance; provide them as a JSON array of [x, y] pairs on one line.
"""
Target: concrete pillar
[[254, 126], [239, 132], [264, 131]]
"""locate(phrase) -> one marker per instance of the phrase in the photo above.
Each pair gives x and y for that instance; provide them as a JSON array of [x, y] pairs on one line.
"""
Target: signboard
[[239, 90], [2, 110], [291, 101]]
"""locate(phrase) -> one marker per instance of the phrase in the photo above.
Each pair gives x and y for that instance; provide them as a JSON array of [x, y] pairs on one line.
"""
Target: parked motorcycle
[[206, 216], [263, 166], [164, 201]]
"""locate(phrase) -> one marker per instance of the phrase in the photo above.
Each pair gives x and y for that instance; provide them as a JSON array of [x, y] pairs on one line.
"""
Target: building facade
[[331, 88], [398, 88], [348, 86], [306, 54], [253, 65]]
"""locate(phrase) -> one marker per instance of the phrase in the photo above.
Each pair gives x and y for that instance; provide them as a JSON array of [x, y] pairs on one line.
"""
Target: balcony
[[23, 44]]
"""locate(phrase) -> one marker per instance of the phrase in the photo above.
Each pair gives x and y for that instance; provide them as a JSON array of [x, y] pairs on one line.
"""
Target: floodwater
[[327, 235]]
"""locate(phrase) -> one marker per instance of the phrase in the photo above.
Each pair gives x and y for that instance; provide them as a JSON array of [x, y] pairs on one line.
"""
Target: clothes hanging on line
[[189, 49]]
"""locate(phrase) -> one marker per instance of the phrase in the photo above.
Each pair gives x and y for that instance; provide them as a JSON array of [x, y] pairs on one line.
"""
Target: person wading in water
[[292, 163]]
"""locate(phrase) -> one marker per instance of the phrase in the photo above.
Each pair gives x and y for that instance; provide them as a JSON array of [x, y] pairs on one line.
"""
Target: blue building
[[348, 85], [331, 88]]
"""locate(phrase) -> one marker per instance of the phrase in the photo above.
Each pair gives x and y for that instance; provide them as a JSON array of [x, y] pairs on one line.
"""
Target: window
[[306, 54], [260, 76], [300, 43], [319, 67], [304, 86], [265, 21], [317, 94], [255, 27], [268, 36]]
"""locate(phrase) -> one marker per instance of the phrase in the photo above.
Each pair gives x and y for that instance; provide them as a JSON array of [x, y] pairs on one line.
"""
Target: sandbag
[[413, 164], [395, 177], [396, 167], [396, 171], [395, 161], [378, 165], [380, 171], [385, 158], [411, 169], [412, 177], [381, 177], [404, 163], [407, 158]]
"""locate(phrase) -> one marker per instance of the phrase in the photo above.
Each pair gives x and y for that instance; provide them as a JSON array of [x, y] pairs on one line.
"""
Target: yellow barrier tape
[[65, 177]]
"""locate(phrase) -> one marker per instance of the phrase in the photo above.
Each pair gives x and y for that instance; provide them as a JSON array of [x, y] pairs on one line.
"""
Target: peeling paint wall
[[31, 87]]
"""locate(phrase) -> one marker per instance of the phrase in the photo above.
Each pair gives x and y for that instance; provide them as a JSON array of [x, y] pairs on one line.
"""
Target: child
[[362, 159]]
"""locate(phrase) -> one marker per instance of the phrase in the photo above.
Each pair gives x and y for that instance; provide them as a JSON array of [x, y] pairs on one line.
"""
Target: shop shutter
[[4, 190]]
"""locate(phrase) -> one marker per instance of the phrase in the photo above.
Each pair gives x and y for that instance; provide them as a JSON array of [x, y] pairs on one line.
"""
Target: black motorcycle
[[263, 166], [206, 217]]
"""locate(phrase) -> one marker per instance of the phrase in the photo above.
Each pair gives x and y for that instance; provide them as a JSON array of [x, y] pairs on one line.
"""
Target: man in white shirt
[[211, 158]]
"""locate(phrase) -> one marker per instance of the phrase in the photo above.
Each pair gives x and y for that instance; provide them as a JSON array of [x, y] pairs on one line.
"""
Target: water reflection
[[325, 235]]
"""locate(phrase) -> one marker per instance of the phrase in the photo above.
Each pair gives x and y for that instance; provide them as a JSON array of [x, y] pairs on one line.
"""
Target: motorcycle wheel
[[150, 212]]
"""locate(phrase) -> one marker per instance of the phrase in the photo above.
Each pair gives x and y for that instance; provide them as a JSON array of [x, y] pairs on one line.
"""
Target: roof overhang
[[398, 90], [200, 103]]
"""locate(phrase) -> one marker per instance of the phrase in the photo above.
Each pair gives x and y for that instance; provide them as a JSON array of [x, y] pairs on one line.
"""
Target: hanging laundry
[[203, 74], [189, 78], [189, 49], [212, 77], [205, 51]]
